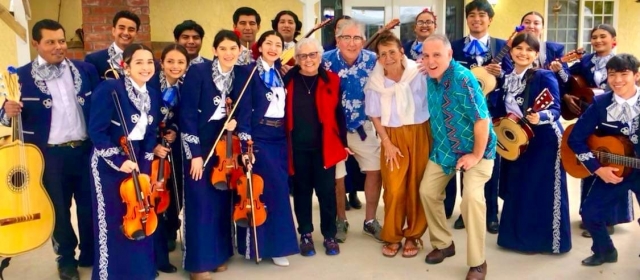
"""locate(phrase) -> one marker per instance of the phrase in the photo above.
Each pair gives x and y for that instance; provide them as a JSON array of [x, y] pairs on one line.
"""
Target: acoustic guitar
[[287, 55], [578, 87], [391, 25], [514, 132], [487, 81], [613, 151], [26, 211]]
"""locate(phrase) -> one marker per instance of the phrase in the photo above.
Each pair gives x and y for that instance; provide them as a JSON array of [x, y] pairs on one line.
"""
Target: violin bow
[[251, 199], [175, 194], [229, 114]]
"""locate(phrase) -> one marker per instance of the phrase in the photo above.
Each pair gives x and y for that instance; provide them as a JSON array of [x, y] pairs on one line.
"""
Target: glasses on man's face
[[348, 38], [425, 22], [304, 56]]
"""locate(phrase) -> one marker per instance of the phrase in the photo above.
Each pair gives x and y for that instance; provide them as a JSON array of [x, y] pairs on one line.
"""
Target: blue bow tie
[[475, 48], [169, 96], [271, 79], [417, 48]]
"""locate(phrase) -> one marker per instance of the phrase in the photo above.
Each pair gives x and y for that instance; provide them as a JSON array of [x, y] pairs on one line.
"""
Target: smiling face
[[390, 56], [174, 64], [478, 22], [425, 25], [141, 67], [271, 49], [308, 57], [52, 46], [124, 32], [436, 58], [227, 53], [248, 27], [523, 55], [350, 43], [287, 27], [623, 83], [191, 40], [533, 23], [602, 41]]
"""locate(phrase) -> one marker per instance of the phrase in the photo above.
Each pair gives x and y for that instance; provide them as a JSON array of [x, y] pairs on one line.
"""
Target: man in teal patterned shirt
[[463, 139]]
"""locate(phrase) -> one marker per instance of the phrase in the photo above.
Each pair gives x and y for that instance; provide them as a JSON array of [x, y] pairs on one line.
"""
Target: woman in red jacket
[[317, 140]]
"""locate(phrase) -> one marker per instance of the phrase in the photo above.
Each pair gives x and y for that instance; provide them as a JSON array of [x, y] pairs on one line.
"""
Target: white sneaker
[[281, 261]]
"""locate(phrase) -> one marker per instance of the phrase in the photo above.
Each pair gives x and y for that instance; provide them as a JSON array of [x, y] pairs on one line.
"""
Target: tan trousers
[[401, 185], [473, 207]]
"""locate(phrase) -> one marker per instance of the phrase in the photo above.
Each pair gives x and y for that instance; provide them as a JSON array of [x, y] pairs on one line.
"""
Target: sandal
[[389, 247], [411, 251]]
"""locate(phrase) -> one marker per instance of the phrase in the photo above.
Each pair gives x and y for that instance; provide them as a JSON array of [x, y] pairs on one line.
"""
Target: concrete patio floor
[[361, 258]]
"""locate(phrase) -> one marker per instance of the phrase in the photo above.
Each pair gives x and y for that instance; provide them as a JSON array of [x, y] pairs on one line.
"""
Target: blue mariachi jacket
[[584, 68], [199, 100], [495, 46], [100, 59], [37, 100], [597, 118], [540, 80], [105, 127]]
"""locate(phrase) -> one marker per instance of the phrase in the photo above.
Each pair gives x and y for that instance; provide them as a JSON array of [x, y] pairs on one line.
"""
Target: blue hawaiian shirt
[[352, 81], [455, 104]]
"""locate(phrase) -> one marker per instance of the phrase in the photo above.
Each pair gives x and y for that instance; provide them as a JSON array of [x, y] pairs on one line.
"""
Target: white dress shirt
[[276, 98], [140, 129], [221, 108], [484, 40]]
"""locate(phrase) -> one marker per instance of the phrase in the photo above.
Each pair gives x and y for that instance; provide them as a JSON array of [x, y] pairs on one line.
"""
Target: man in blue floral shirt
[[463, 139], [353, 64]]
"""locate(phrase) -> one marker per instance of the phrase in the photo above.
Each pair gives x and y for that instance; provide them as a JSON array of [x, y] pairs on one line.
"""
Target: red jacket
[[330, 115]]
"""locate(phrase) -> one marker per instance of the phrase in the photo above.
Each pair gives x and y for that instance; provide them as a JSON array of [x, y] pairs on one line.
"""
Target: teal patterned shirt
[[455, 104]]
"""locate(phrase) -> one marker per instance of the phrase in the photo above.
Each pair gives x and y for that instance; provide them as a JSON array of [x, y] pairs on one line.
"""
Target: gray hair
[[310, 41], [439, 37], [347, 23]]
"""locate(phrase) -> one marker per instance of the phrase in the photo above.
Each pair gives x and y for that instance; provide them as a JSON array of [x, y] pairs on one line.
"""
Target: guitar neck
[[618, 159], [501, 55]]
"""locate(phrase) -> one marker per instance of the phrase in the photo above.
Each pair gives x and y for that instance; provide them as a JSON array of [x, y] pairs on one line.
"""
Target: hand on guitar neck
[[532, 117], [12, 108], [607, 174]]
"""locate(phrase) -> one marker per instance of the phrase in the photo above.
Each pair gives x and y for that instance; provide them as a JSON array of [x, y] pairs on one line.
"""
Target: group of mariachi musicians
[[140, 139]]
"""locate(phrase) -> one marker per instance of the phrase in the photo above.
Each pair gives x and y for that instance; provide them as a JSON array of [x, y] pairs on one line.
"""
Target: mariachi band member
[[289, 26], [208, 225], [54, 104], [396, 103], [317, 140], [260, 117], [425, 25], [174, 61], [126, 25], [614, 113], [118, 256], [246, 21], [190, 34], [535, 213], [550, 52], [478, 49], [592, 68]]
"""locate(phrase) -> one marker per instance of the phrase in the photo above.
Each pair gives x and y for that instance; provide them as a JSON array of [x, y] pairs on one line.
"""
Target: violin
[[228, 171], [160, 172], [250, 211]]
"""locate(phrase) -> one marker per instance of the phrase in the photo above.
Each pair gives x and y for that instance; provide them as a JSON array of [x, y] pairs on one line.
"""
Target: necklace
[[309, 88]]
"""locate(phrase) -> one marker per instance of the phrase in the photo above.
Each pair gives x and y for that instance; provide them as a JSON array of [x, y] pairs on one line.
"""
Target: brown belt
[[72, 144], [274, 123]]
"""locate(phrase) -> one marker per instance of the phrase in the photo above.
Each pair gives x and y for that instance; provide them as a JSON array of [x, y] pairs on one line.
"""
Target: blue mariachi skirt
[[277, 236], [535, 213], [116, 256], [207, 222]]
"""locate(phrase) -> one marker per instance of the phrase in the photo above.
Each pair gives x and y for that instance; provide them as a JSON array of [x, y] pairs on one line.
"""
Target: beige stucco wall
[[212, 15], [67, 12]]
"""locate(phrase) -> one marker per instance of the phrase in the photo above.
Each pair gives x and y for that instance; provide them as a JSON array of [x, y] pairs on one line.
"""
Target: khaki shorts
[[341, 170], [366, 152]]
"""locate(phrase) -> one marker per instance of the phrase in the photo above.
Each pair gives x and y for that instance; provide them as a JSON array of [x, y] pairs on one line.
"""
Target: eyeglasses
[[425, 22], [304, 56], [355, 39]]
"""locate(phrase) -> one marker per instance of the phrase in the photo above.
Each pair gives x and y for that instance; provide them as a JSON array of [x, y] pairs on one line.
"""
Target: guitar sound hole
[[17, 179], [510, 135]]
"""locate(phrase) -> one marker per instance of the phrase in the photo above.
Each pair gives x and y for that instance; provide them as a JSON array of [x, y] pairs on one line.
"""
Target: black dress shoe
[[596, 260], [169, 268], [493, 227], [171, 245], [68, 273], [347, 205], [354, 201], [459, 224]]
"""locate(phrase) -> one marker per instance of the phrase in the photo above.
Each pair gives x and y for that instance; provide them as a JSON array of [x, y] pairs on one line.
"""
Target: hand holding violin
[[161, 151], [170, 136], [248, 160], [128, 167], [231, 126]]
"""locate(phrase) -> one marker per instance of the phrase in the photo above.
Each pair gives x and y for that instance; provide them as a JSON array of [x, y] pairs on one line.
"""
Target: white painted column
[[308, 15], [23, 51]]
